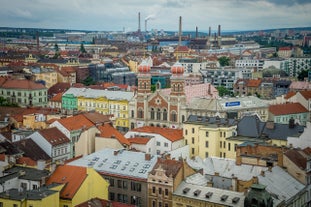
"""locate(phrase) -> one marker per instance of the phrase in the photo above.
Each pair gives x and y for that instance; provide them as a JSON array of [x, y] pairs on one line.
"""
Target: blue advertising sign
[[233, 103]]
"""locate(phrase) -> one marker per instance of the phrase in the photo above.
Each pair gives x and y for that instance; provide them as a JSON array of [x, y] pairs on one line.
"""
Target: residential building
[[201, 195], [35, 198], [281, 87], [284, 113], [207, 136], [126, 171], [181, 52], [285, 52], [300, 86], [77, 184], [109, 137], [293, 66], [164, 179], [163, 141], [284, 189], [228, 107], [23, 178], [304, 98], [72, 127], [23, 92], [302, 140], [67, 74], [101, 101], [47, 75], [249, 63], [97, 202], [53, 142], [56, 101]]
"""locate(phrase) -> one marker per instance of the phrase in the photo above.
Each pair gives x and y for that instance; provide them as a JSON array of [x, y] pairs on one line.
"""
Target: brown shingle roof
[[22, 84], [54, 136], [289, 108], [253, 83], [97, 118], [71, 176], [170, 134], [109, 131], [171, 167], [32, 150], [297, 158]]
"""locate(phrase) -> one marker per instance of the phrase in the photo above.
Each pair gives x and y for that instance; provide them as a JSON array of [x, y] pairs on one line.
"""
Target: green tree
[[88, 81], [222, 91], [224, 61], [82, 49], [303, 74]]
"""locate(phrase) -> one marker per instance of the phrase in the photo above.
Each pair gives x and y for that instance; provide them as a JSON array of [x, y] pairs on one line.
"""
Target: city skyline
[[163, 14]]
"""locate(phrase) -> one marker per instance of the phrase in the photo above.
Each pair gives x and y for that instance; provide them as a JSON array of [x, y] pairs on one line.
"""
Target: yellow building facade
[[118, 107], [206, 140], [49, 76]]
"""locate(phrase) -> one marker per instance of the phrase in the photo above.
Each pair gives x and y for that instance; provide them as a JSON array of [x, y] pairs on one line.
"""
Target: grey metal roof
[[281, 185], [38, 194], [209, 194], [28, 173], [204, 120], [252, 126], [125, 163], [95, 93]]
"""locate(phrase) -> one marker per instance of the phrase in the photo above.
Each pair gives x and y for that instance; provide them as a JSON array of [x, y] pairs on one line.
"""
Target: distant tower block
[[179, 32]]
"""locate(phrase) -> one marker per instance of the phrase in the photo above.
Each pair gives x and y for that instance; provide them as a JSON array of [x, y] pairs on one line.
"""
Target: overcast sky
[[114, 15]]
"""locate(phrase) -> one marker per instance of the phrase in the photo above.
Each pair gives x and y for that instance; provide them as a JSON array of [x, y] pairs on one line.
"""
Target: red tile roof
[[253, 83], [2, 157], [170, 134], [290, 94], [54, 136], [22, 84], [139, 140], [57, 97], [108, 131], [182, 49], [76, 122], [72, 176], [300, 85], [306, 94], [284, 48], [26, 161], [97, 118], [289, 108]]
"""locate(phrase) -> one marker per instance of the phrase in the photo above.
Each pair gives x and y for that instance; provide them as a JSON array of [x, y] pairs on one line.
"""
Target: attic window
[[223, 197], [186, 190], [235, 200], [208, 195], [196, 193]]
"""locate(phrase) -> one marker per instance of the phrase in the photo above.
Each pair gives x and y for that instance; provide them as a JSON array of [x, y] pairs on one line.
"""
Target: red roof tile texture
[[170, 134], [139, 140], [54, 136], [306, 94], [72, 176], [289, 108], [108, 131], [22, 84], [76, 122], [253, 83]]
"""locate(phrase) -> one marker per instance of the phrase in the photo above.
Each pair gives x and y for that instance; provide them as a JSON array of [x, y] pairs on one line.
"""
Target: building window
[[235, 147], [206, 134], [166, 192], [224, 144], [186, 142], [192, 140], [224, 134], [220, 134], [160, 191], [192, 150], [119, 183], [111, 181], [154, 203], [174, 116], [220, 144], [206, 143], [186, 132], [124, 184], [140, 113], [165, 144], [152, 114], [164, 115], [229, 146], [111, 196], [158, 114], [153, 189], [206, 154], [192, 130], [158, 144], [132, 113]]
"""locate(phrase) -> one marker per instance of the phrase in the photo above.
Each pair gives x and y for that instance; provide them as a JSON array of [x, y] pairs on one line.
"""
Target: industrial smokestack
[[209, 32], [38, 42], [219, 36], [179, 32], [219, 30], [196, 32], [146, 25], [139, 22]]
